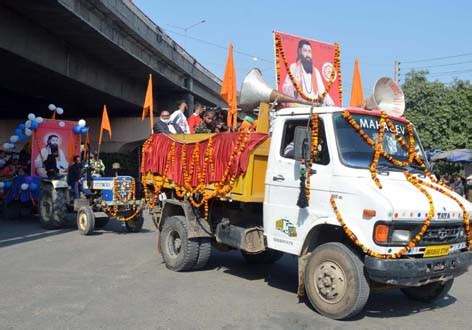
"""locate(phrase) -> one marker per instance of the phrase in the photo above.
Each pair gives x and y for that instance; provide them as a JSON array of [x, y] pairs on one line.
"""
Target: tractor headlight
[[400, 236]]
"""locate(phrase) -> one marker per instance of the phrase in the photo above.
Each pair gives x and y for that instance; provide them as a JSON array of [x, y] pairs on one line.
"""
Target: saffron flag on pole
[[148, 108], [105, 125], [228, 89], [357, 95]]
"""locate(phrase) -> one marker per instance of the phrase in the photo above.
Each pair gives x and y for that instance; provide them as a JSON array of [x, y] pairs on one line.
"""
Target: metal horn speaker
[[255, 90], [388, 97]]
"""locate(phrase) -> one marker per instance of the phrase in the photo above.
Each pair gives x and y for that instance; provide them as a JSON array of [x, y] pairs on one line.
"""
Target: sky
[[379, 33]]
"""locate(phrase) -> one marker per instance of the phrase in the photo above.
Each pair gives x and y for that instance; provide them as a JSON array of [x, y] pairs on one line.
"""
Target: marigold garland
[[117, 198], [417, 182], [336, 69], [313, 152]]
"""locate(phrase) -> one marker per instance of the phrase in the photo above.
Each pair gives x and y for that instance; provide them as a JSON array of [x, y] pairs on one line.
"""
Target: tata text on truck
[[348, 191]]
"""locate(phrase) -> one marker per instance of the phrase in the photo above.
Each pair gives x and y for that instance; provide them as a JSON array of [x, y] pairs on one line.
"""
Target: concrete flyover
[[82, 54]]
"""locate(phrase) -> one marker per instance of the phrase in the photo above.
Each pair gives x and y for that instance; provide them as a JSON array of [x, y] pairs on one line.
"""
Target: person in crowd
[[165, 126], [195, 118], [247, 124], [96, 164], [207, 125], [73, 176], [178, 117], [458, 186], [220, 126], [50, 164]]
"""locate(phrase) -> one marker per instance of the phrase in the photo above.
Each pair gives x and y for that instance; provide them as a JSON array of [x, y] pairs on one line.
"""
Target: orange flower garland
[[313, 152], [281, 54]]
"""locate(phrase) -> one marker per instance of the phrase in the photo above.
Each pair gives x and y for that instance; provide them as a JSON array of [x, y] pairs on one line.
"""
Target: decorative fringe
[[302, 198]]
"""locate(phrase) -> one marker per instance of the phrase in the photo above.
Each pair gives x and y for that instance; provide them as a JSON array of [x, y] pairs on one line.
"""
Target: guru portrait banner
[[308, 70], [54, 139]]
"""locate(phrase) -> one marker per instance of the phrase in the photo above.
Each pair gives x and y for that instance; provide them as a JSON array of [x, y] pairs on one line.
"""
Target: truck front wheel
[[335, 282], [429, 292]]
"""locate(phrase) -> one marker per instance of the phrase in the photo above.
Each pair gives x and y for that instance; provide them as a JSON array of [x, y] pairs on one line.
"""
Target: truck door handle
[[278, 178]]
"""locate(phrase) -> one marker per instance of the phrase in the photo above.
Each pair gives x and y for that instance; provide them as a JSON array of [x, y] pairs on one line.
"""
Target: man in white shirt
[[307, 77], [178, 117]]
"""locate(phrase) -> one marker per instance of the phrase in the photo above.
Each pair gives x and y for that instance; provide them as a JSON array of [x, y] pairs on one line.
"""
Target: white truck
[[352, 236]]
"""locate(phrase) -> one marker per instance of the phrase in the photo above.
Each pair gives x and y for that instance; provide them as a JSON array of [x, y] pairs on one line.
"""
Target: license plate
[[436, 251]]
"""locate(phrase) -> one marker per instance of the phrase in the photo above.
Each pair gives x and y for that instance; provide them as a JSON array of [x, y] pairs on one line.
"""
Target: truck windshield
[[355, 152]]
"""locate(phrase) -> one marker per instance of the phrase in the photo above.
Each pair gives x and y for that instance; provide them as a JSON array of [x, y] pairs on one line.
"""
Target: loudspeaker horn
[[388, 97], [254, 90]]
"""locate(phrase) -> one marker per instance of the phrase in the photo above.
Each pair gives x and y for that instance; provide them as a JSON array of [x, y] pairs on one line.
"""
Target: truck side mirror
[[302, 143]]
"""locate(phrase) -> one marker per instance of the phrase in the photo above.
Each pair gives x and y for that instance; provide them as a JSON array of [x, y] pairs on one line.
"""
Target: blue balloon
[[7, 184], [84, 130], [22, 126], [33, 186], [18, 131], [76, 129], [34, 124], [23, 138]]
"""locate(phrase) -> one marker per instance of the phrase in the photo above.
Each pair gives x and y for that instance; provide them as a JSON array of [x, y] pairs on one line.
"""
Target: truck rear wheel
[[429, 292], [52, 211], [85, 220], [204, 253], [335, 282], [178, 251], [268, 256]]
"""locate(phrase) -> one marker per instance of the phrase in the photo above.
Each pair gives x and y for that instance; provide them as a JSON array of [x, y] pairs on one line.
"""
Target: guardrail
[[138, 12]]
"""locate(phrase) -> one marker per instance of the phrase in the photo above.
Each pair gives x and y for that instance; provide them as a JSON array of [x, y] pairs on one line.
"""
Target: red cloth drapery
[[157, 152]]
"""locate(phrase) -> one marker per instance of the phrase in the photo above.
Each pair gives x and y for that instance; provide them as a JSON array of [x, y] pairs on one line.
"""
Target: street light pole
[[185, 29]]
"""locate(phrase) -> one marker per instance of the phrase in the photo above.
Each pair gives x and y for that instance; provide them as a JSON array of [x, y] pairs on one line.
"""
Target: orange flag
[[105, 125], [357, 95], [148, 107], [86, 146], [228, 89]]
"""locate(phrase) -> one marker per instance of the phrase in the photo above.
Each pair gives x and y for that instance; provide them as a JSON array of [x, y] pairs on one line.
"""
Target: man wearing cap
[[247, 124]]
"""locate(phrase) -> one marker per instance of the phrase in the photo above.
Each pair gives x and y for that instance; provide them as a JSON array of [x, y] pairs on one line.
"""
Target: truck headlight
[[400, 236]]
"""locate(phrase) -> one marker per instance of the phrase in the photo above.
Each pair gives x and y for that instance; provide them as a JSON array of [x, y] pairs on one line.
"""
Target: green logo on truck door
[[286, 227]]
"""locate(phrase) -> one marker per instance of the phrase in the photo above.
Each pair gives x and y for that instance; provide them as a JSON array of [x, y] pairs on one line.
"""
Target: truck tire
[[12, 210], [52, 211], [204, 253], [136, 224], [335, 282], [429, 292], [101, 222], [269, 256], [85, 220], [178, 251]]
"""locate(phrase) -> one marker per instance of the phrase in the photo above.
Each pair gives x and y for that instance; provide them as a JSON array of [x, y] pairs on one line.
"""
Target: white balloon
[[24, 186], [28, 132], [82, 123], [14, 138], [52, 107], [31, 116], [39, 120], [2, 184], [62, 124], [6, 145], [28, 123], [59, 111]]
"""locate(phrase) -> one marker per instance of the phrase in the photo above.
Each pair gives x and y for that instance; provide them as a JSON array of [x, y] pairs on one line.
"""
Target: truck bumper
[[416, 272]]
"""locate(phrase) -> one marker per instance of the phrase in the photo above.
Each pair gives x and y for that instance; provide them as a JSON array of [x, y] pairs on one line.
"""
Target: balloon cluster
[[53, 108], [23, 131], [5, 185], [80, 128]]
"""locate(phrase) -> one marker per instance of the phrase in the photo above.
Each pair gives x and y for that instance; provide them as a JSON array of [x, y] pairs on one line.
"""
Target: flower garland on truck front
[[417, 183]]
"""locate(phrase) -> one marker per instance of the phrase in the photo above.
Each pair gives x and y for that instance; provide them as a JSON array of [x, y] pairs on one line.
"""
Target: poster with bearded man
[[54, 145], [311, 64]]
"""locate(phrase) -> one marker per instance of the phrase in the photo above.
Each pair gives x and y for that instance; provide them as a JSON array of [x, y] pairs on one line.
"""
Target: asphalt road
[[115, 280]]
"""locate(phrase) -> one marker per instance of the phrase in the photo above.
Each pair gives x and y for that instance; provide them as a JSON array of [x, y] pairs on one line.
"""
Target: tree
[[442, 114]]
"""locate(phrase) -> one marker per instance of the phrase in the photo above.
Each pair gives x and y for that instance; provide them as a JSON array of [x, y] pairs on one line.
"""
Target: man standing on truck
[[178, 117], [164, 125], [306, 75]]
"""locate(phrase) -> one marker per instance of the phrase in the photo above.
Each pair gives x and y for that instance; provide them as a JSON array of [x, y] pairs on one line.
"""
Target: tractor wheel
[[178, 251], [52, 207], [85, 220], [269, 256], [136, 224], [430, 292]]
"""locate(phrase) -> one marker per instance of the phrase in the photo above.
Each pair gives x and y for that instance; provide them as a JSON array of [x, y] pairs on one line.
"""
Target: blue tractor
[[102, 198]]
